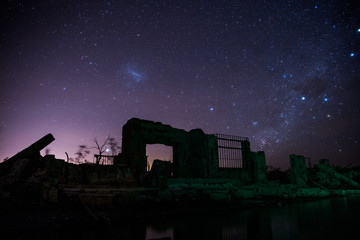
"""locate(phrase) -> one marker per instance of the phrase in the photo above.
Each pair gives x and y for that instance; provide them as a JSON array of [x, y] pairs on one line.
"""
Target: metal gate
[[230, 150], [105, 159]]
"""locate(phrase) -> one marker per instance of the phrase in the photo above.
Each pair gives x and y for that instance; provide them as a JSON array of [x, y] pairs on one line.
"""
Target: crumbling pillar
[[259, 161], [298, 173], [248, 165], [213, 161]]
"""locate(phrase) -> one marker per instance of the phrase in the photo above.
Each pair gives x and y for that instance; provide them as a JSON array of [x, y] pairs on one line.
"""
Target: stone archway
[[194, 152]]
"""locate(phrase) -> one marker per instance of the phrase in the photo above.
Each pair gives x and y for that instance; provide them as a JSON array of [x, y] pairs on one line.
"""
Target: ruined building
[[195, 154], [204, 167]]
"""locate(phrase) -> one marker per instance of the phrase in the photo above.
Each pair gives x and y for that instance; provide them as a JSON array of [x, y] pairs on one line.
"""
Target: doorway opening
[[158, 152]]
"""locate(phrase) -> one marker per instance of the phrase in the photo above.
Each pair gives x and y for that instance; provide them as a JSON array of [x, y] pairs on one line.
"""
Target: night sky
[[286, 74]]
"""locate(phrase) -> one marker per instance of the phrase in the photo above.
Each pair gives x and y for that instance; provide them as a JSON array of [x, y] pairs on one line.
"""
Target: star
[[265, 76]]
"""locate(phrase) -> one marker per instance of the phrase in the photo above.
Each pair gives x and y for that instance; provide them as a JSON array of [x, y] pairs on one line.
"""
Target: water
[[323, 219], [336, 218]]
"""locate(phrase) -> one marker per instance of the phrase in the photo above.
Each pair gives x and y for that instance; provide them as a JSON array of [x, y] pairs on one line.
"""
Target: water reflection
[[153, 232], [323, 219], [245, 224]]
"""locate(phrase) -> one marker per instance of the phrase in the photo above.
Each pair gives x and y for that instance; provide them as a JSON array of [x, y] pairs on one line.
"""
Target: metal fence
[[105, 159], [230, 150]]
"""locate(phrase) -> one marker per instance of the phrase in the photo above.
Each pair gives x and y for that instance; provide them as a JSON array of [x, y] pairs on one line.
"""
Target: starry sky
[[286, 74]]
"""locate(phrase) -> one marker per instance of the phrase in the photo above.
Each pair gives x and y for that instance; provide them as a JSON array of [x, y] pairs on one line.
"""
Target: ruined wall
[[36, 178], [194, 152], [298, 173], [213, 161], [248, 164], [259, 166]]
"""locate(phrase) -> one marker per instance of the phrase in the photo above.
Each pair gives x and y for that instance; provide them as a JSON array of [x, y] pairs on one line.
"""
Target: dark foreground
[[332, 218]]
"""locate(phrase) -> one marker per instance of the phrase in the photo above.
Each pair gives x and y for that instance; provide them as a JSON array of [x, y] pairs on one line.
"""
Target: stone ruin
[[195, 164], [195, 155], [194, 152]]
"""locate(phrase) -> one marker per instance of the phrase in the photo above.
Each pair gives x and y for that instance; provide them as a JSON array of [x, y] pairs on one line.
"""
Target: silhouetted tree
[[81, 154], [110, 142], [101, 148]]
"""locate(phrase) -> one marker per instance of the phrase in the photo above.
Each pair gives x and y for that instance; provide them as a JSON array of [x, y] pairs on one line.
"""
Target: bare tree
[[101, 148], [81, 154], [110, 143]]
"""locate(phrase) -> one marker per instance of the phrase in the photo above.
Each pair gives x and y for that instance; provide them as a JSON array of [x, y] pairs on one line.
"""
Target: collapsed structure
[[205, 167], [195, 154]]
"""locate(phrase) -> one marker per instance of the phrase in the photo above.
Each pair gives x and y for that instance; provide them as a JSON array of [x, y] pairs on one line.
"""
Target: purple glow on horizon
[[80, 71]]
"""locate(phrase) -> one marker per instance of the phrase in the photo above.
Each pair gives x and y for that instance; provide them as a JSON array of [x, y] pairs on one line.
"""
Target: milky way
[[283, 73]]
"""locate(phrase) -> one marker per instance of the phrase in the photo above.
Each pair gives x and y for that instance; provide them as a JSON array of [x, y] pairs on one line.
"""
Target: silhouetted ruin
[[206, 168], [34, 149], [194, 152]]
